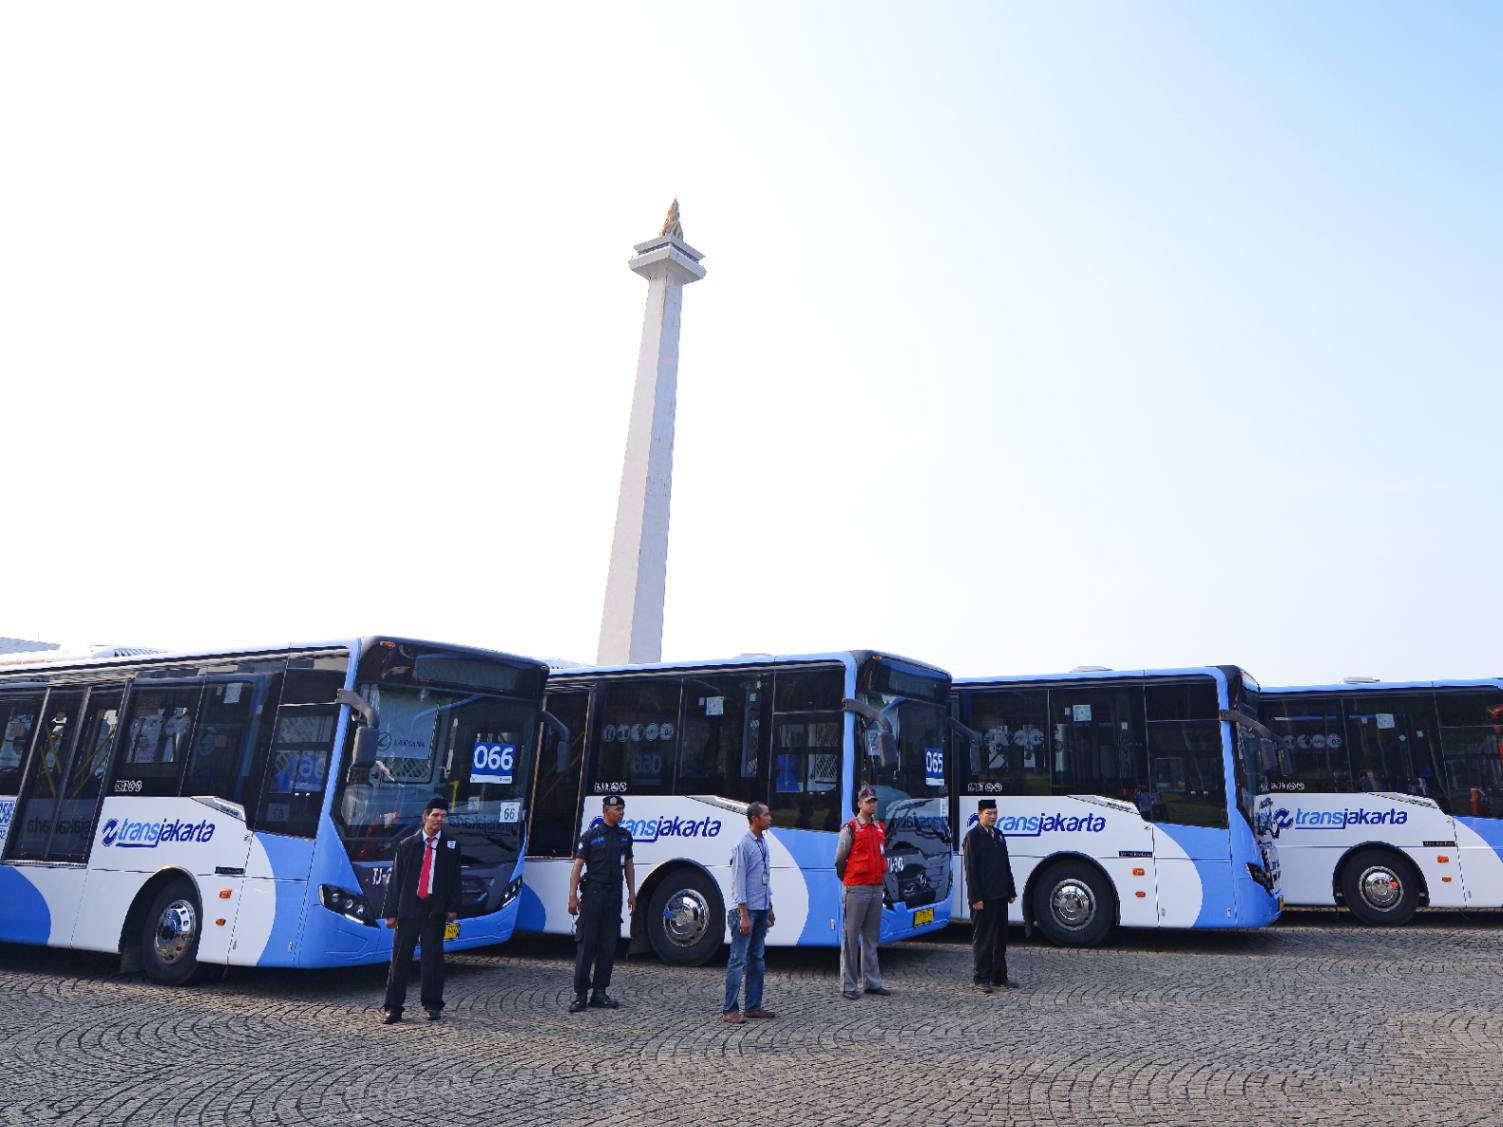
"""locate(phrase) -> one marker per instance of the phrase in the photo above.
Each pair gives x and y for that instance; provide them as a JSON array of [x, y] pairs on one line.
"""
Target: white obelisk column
[[631, 627]]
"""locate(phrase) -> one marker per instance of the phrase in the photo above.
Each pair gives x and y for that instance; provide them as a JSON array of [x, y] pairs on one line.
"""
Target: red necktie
[[425, 878]]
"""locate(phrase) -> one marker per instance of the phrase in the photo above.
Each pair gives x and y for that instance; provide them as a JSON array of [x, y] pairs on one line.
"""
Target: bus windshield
[[474, 749]]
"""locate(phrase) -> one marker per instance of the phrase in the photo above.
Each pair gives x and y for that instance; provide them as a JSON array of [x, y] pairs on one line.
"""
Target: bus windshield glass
[[473, 748]]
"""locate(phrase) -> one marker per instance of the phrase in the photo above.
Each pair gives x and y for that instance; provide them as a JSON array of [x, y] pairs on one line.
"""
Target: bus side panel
[[1195, 876], [1253, 904], [1316, 831], [270, 926], [27, 916], [1481, 849], [1040, 830], [803, 877], [545, 896]]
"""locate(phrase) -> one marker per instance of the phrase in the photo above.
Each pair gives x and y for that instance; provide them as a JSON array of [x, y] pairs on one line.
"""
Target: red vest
[[867, 861]]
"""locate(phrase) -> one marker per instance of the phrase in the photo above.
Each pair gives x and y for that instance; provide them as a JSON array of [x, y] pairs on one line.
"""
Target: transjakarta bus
[[195, 810], [1389, 796], [690, 745], [1126, 798]]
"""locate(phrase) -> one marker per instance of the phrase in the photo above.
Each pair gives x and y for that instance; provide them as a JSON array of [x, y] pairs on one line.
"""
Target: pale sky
[[1033, 335]]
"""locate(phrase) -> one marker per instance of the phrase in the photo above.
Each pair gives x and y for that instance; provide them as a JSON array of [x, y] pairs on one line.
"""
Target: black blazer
[[988, 870], [402, 901]]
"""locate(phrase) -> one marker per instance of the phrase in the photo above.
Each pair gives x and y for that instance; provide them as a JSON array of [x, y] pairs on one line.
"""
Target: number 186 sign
[[492, 763]]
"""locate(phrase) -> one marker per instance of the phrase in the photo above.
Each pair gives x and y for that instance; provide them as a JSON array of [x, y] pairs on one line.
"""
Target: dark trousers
[[595, 937], [989, 942], [429, 931]]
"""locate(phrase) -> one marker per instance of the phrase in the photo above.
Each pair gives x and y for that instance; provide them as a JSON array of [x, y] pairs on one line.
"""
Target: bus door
[[553, 824], [553, 813], [1098, 748], [59, 801]]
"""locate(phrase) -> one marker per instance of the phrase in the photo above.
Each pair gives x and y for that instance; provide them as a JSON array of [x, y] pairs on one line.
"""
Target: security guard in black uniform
[[603, 852]]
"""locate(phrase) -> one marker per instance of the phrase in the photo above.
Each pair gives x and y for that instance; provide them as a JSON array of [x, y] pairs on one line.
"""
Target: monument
[[631, 626]]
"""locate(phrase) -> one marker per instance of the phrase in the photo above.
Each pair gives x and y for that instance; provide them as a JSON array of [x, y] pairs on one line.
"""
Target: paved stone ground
[[1317, 1020]]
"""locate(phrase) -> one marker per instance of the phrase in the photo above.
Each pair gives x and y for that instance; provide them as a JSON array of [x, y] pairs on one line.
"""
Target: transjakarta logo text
[[1031, 825], [1336, 819], [129, 834], [647, 830]]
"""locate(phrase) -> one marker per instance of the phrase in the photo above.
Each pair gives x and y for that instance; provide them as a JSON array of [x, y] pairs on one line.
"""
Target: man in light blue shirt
[[751, 893]]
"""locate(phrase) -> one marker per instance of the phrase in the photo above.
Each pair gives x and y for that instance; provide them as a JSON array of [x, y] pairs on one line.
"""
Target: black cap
[[987, 804], [866, 792], [613, 800]]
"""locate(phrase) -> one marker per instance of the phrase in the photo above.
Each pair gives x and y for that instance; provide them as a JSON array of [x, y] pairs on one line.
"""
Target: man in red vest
[[861, 864]]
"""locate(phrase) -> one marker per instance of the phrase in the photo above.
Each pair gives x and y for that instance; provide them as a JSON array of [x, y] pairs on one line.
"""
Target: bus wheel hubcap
[[176, 929], [1072, 904], [686, 917], [1380, 887]]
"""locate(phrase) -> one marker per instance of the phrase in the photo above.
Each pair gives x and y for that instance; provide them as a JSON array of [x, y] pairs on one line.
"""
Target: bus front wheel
[[1073, 905], [170, 932], [1380, 887], [686, 918]]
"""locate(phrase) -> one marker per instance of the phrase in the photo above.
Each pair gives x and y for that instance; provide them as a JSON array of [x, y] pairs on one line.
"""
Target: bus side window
[[1388, 738], [157, 731], [807, 749], [1313, 755], [637, 730], [18, 716], [1471, 741], [224, 723], [808, 742], [297, 765], [1186, 756], [1013, 756], [1098, 741], [721, 747]]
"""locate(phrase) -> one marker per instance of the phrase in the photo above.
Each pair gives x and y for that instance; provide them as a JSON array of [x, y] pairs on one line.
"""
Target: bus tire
[[686, 918], [1381, 887], [170, 932], [1073, 904]]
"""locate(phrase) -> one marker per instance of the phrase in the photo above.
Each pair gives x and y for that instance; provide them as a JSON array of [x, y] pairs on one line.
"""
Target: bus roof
[[740, 660], [1390, 686], [1113, 675], [117, 656]]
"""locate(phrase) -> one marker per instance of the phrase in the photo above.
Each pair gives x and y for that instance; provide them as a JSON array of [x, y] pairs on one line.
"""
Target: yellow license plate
[[923, 916], [451, 931]]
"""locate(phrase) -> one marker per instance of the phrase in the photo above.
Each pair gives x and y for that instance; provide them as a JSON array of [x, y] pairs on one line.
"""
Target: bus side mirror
[[887, 751], [367, 747]]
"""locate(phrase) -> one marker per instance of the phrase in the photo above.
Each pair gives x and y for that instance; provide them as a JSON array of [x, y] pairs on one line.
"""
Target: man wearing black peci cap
[[603, 854], [989, 889]]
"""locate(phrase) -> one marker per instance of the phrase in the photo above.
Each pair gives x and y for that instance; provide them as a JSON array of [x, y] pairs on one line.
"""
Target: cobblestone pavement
[[1317, 1020]]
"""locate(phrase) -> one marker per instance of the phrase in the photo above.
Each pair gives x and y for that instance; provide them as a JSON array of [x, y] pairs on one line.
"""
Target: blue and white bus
[[196, 810], [1388, 797], [1127, 798], [690, 745]]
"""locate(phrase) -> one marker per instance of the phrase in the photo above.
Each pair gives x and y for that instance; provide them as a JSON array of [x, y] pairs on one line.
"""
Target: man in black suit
[[421, 898], [989, 889]]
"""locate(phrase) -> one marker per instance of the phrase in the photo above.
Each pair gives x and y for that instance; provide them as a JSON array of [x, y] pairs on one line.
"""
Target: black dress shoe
[[578, 1005], [603, 1001], [435, 1015], [982, 988], [882, 990], [1007, 984], [391, 1017]]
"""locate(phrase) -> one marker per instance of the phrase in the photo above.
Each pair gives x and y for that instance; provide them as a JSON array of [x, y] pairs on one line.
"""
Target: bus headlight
[[1260, 876], [513, 890], [350, 905]]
